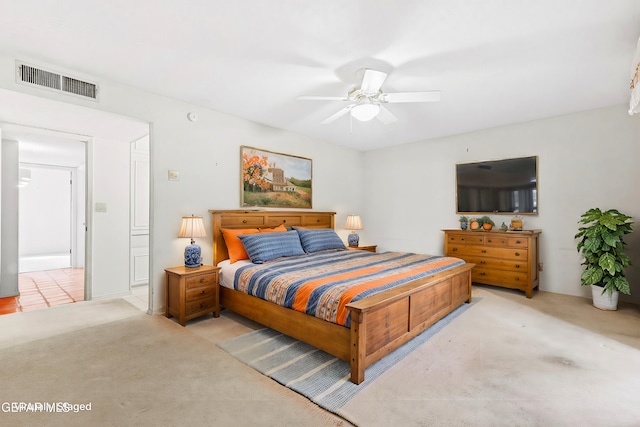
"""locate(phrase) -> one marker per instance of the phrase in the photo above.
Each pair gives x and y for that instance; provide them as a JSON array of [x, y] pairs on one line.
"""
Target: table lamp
[[353, 224], [192, 226]]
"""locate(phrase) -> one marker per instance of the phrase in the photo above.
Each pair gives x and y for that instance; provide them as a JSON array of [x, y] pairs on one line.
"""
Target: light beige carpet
[[141, 370], [505, 363]]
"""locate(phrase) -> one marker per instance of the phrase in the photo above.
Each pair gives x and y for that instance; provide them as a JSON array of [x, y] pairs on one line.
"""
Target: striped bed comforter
[[323, 283]]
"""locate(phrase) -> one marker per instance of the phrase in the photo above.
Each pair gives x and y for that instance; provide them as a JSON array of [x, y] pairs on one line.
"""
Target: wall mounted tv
[[498, 186]]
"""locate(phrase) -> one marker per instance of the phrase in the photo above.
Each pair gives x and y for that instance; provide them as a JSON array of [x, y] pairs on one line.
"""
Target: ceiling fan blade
[[385, 116], [372, 81], [431, 96], [340, 113], [321, 98]]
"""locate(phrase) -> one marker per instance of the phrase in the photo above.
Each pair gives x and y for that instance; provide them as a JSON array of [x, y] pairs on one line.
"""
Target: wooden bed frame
[[379, 323]]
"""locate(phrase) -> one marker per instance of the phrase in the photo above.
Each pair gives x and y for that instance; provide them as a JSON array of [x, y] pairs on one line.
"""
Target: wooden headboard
[[260, 219]]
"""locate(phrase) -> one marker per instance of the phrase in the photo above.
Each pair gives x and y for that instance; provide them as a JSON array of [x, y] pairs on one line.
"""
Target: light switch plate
[[174, 176], [101, 207]]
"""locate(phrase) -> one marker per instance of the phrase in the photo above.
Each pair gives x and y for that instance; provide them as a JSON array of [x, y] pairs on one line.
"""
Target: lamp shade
[[353, 223], [192, 226]]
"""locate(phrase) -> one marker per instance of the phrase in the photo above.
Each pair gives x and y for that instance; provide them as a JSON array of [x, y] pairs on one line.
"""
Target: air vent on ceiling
[[30, 75]]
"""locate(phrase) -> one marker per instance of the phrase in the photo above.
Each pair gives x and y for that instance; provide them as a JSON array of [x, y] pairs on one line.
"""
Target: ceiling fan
[[368, 100]]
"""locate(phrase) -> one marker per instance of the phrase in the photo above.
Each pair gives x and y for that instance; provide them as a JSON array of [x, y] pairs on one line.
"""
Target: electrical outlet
[[540, 266], [174, 176]]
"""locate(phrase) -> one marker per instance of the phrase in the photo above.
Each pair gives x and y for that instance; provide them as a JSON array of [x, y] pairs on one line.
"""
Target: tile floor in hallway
[[41, 289]]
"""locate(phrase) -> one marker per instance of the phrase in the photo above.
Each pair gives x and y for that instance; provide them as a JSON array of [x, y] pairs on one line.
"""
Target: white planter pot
[[606, 301]]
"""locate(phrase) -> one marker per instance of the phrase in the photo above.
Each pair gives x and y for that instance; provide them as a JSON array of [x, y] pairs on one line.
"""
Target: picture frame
[[275, 180]]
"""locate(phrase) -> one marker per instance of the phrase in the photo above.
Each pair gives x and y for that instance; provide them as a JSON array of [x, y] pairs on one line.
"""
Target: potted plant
[[603, 249], [474, 224], [464, 222], [487, 223]]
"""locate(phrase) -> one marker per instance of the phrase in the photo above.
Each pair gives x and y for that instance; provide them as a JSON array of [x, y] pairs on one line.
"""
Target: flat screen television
[[498, 186]]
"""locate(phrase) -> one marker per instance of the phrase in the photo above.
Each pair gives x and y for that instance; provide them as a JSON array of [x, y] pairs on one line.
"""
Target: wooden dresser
[[503, 258]]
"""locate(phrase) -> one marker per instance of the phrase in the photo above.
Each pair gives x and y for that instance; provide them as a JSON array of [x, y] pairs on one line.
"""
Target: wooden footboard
[[383, 322]]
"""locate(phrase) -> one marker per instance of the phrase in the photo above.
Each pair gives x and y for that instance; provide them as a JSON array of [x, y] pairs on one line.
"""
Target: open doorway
[[51, 222]]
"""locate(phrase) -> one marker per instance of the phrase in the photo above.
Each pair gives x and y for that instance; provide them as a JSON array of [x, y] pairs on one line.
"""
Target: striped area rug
[[320, 377]]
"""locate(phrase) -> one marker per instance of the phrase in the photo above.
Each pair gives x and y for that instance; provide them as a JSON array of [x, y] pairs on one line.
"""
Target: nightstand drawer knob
[[201, 292], [244, 221], [202, 280], [454, 250]]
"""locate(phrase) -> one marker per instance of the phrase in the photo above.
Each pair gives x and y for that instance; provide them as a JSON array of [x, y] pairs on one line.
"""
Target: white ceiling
[[495, 61]]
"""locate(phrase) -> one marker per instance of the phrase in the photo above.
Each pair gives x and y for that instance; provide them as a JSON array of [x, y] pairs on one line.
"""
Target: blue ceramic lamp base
[[353, 239], [192, 256]]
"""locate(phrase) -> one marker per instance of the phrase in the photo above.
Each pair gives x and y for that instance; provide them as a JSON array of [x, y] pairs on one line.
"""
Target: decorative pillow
[[319, 239], [234, 245], [264, 247], [277, 229]]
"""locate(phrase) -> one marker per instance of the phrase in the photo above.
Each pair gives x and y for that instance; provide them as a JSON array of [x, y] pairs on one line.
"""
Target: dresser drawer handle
[[484, 251], [201, 305], [517, 279], [454, 250], [244, 221], [517, 242], [483, 273], [489, 240], [517, 253], [517, 265], [202, 280], [201, 292], [483, 262], [284, 221]]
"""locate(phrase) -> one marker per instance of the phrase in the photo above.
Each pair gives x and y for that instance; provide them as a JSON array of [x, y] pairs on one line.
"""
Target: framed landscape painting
[[275, 180]]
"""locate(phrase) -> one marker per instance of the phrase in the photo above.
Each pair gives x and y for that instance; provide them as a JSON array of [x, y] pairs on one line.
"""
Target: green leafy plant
[[463, 219], [486, 220], [603, 249]]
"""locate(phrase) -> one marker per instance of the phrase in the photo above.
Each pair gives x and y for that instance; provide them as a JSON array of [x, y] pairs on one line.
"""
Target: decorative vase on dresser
[[507, 259]]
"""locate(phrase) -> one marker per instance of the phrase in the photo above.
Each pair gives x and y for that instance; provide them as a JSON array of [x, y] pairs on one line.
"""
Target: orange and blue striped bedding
[[323, 283]]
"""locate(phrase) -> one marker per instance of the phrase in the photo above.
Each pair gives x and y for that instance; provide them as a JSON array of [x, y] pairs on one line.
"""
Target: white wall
[[207, 154], [585, 160]]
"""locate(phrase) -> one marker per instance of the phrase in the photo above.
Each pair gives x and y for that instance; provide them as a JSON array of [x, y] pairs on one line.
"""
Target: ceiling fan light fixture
[[365, 112]]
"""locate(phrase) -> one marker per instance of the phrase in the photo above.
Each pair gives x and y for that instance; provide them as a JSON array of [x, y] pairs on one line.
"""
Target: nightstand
[[370, 248], [192, 292]]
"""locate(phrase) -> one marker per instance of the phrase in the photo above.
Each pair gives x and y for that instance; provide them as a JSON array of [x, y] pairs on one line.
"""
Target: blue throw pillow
[[319, 239], [264, 247]]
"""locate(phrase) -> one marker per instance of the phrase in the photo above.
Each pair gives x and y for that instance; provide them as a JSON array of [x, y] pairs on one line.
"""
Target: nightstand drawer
[[194, 307], [202, 280], [200, 293]]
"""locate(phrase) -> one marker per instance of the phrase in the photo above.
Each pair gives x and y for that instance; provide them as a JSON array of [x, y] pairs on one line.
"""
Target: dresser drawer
[[518, 242], [466, 238], [499, 277], [287, 221], [496, 241], [498, 264], [200, 293], [487, 251], [205, 305], [202, 280]]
